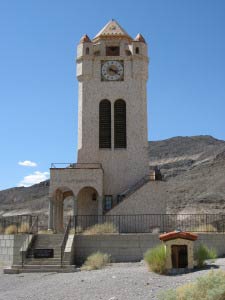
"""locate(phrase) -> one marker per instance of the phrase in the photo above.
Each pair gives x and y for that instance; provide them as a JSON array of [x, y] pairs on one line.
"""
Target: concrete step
[[44, 262], [48, 246], [43, 268]]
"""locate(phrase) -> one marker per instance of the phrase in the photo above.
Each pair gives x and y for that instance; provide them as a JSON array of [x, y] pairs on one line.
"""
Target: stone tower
[[112, 70], [111, 176]]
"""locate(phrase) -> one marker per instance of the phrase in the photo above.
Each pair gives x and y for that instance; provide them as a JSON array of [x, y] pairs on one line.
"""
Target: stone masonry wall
[[10, 246]]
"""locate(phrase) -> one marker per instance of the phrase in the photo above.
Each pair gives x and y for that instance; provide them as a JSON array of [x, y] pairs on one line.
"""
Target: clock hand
[[114, 71]]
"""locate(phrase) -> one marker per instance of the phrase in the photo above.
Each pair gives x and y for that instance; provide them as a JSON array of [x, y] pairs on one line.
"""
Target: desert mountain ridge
[[194, 179]]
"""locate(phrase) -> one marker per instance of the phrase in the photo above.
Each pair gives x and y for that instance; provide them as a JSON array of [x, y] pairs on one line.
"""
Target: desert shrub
[[1, 230], [203, 253], [11, 229], [208, 287], [95, 261], [104, 228], [156, 259], [24, 228], [45, 231], [204, 228], [77, 231]]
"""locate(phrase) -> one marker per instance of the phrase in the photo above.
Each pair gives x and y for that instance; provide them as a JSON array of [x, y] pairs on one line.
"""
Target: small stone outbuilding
[[179, 247]]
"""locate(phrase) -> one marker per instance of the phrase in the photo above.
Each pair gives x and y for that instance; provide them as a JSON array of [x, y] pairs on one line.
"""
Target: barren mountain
[[194, 179]]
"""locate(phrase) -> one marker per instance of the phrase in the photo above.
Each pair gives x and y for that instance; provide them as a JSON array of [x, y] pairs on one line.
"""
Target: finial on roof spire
[[85, 39]]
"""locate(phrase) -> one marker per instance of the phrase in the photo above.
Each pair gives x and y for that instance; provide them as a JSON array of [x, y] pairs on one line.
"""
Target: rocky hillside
[[193, 169]]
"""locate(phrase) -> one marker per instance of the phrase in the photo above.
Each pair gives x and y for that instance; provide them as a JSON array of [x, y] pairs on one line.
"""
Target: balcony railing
[[76, 166]]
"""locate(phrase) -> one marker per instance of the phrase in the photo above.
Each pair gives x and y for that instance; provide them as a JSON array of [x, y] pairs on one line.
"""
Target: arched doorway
[[87, 201], [58, 207]]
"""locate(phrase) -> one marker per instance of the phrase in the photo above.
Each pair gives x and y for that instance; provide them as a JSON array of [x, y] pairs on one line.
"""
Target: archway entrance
[[87, 207], [87, 201], [59, 220]]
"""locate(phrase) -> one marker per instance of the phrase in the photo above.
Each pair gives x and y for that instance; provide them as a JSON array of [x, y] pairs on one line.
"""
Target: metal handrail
[[24, 253], [65, 237]]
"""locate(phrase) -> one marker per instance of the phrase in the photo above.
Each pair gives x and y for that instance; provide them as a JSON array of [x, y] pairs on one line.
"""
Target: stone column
[[75, 206], [100, 205], [75, 212], [50, 213]]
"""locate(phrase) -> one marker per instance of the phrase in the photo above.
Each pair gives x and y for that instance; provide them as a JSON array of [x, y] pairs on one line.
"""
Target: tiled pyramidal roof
[[114, 30]]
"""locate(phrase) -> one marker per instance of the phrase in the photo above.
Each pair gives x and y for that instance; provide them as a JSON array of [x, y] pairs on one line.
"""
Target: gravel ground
[[124, 281]]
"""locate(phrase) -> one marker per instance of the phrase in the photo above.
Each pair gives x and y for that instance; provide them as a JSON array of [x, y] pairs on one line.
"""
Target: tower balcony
[[75, 176]]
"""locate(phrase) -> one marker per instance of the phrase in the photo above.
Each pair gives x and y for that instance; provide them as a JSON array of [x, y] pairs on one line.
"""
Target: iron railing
[[154, 223], [76, 165], [139, 223], [29, 241], [17, 224]]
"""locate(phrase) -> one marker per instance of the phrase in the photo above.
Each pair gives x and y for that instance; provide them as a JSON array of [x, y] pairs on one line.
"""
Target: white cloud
[[36, 177], [27, 163]]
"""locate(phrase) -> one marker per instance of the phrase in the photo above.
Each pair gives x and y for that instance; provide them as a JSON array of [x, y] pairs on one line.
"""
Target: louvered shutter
[[105, 124], [120, 135]]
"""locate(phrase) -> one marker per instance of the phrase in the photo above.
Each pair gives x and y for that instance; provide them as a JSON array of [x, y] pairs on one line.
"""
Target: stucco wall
[[122, 167], [75, 179], [131, 247], [145, 200]]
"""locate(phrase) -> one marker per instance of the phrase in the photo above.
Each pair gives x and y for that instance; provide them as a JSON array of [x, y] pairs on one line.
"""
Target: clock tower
[[112, 70]]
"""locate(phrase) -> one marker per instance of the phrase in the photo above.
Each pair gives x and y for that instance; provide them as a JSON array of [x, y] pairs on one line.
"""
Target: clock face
[[112, 70]]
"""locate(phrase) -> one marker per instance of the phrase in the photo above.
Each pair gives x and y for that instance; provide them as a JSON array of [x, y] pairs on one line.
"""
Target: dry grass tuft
[[210, 286], [156, 259], [204, 228], [104, 228], [78, 230], [96, 261], [46, 231], [11, 229], [24, 228], [1, 230]]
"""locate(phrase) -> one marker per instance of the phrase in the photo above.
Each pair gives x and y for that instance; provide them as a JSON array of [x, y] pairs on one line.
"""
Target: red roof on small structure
[[85, 39], [178, 235]]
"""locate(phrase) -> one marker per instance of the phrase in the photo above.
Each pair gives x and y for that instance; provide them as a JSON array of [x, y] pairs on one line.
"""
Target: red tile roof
[[178, 235]]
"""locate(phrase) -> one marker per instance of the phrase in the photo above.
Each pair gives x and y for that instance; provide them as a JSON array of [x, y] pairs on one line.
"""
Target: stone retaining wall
[[10, 246], [131, 247]]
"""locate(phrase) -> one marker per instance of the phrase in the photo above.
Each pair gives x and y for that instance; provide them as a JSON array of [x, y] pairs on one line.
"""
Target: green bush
[[156, 259], [95, 261], [208, 287], [203, 253]]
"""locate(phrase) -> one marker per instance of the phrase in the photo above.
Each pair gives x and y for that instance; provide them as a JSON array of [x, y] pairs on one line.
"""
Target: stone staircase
[[45, 241], [132, 189]]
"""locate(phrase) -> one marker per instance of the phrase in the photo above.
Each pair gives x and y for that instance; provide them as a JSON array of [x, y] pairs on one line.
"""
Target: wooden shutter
[[105, 124], [120, 134]]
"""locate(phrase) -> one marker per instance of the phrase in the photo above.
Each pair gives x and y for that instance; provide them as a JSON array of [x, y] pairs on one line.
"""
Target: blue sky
[[38, 90]]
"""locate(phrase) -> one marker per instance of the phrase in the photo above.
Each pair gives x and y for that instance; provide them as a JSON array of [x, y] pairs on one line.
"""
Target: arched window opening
[[137, 50], [120, 134], [87, 51], [105, 124]]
